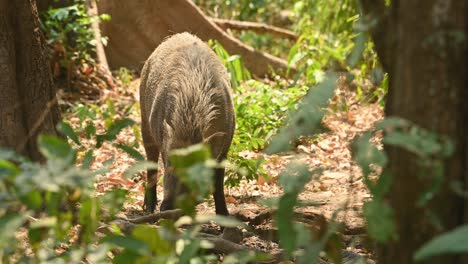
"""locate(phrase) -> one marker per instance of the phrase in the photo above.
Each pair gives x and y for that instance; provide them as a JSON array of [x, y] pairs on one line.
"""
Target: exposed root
[[259, 28], [169, 214]]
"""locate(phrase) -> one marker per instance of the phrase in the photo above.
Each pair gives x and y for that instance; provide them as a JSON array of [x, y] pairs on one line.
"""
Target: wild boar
[[185, 99]]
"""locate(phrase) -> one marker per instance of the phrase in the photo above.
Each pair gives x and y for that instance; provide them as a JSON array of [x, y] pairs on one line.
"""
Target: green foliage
[[69, 28], [56, 201], [244, 9], [166, 244], [293, 180], [194, 169], [268, 12], [260, 112], [60, 210], [453, 242], [307, 119], [236, 69], [431, 150], [125, 76]]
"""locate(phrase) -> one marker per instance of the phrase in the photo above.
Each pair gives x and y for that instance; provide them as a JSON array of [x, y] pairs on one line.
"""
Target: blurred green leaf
[[380, 221], [87, 160], [139, 166], [129, 243], [151, 237], [130, 151], [9, 224], [452, 242], [55, 148], [307, 119], [68, 131]]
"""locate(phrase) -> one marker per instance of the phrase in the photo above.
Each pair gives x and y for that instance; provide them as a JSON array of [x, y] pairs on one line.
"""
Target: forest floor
[[338, 193]]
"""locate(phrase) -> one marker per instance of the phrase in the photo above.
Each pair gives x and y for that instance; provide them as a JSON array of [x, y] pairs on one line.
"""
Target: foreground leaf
[[453, 242]]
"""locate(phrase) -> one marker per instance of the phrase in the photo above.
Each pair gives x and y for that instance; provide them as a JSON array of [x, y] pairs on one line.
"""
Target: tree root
[[138, 27], [222, 245], [259, 28], [169, 214]]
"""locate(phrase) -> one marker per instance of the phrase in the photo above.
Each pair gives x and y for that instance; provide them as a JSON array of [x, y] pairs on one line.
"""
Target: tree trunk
[[27, 97], [137, 27], [426, 61]]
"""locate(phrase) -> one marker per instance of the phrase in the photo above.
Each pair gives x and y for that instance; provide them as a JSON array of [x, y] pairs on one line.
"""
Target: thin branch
[[91, 9], [259, 28]]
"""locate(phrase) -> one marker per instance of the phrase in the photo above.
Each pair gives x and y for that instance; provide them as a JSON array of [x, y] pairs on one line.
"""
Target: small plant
[[261, 110], [68, 31], [125, 76], [236, 69], [55, 204]]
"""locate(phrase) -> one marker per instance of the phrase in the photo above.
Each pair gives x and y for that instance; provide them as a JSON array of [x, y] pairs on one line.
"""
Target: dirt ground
[[340, 190]]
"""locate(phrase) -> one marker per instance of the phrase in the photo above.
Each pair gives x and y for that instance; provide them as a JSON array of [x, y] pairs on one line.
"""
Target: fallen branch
[[169, 214], [257, 218], [256, 27], [224, 246], [220, 245]]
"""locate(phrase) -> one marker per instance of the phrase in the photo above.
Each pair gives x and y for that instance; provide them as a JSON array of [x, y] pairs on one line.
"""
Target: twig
[[91, 9]]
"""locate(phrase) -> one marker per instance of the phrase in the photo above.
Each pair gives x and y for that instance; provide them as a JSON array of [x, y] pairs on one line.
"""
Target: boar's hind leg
[[218, 195], [171, 186], [152, 154]]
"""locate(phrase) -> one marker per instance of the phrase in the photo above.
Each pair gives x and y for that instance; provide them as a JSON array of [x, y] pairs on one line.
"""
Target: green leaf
[[366, 154], [68, 131], [139, 166], [55, 148], [358, 50], [8, 169], [190, 250], [307, 120], [151, 237], [129, 243], [90, 211], [128, 256], [90, 130], [33, 200], [296, 58], [9, 224], [113, 130], [380, 221], [186, 157], [452, 242], [130, 151], [286, 233], [293, 180], [87, 160]]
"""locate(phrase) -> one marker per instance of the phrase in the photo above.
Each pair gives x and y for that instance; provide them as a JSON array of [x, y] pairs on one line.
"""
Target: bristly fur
[[192, 98], [185, 99], [186, 87]]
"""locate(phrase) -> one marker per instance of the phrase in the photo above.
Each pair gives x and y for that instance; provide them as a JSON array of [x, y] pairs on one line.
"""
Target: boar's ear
[[212, 136]]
